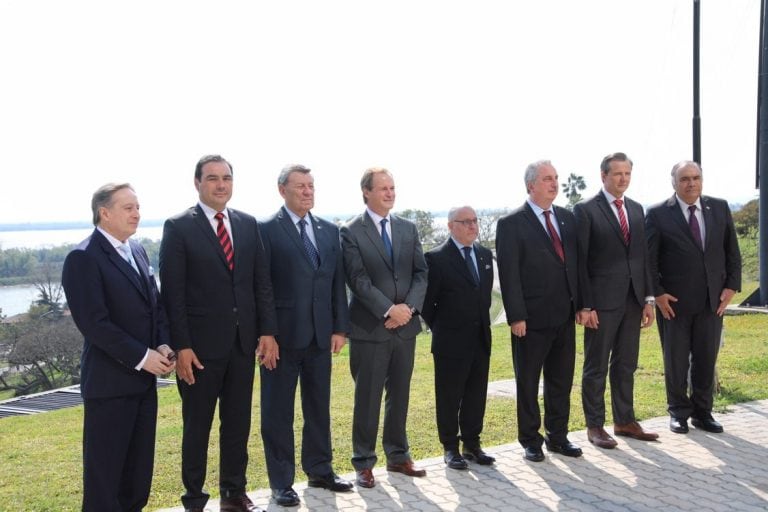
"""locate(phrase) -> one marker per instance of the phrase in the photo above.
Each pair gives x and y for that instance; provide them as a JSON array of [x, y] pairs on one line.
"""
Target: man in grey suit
[[616, 301], [387, 275], [304, 257]]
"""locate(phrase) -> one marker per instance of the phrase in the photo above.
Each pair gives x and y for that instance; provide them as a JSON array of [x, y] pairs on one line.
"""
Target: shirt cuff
[[139, 366]]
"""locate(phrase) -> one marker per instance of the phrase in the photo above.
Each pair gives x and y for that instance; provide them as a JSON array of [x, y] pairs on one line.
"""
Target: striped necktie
[[226, 243]]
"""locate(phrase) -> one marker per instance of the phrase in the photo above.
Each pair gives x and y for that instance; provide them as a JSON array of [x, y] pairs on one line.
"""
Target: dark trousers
[[230, 382], [461, 388], [118, 451], [312, 368], [377, 366], [552, 351], [611, 349]]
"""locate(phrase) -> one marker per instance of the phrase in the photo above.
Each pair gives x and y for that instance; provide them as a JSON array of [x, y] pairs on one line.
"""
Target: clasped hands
[[399, 315], [160, 361]]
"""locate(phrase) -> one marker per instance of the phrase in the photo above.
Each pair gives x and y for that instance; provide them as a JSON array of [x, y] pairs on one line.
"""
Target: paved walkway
[[698, 471]]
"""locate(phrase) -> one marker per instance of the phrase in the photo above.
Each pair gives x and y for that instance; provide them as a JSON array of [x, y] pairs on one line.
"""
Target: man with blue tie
[[303, 253], [114, 301]]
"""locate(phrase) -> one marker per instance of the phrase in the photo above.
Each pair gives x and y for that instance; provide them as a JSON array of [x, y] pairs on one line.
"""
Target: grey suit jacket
[[376, 283]]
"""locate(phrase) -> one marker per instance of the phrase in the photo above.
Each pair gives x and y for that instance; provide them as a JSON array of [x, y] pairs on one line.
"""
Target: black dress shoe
[[534, 453], [240, 503], [331, 481], [566, 448], [454, 460], [286, 497], [476, 454], [678, 425], [707, 423]]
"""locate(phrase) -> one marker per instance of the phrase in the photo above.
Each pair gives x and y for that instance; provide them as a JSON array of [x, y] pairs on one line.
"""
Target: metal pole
[[762, 157], [696, 113]]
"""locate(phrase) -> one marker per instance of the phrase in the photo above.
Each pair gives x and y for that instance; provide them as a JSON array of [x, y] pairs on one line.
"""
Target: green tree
[[486, 225], [572, 189], [425, 225], [747, 218]]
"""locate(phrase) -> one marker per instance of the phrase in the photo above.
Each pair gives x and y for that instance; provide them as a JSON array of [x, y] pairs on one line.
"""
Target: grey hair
[[454, 211], [286, 172], [102, 198], [366, 182], [533, 170], [679, 165]]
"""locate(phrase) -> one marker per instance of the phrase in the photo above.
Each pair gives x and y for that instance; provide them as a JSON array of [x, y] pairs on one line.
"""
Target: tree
[[747, 218], [572, 189], [51, 294], [425, 225], [486, 225]]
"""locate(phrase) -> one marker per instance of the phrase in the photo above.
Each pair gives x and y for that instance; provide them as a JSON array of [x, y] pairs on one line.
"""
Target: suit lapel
[[205, 225], [679, 218], [286, 222], [709, 220], [324, 242], [457, 260], [540, 230], [610, 216], [486, 282], [375, 237], [123, 266]]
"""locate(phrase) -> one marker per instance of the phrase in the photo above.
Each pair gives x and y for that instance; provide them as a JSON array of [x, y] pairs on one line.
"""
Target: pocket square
[[487, 267]]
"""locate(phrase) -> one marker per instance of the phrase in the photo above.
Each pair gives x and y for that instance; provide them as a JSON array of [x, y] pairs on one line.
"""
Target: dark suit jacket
[[455, 309], [531, 272], [612, 267], [119, 313], [679, 267], [208, 305], [375, 283], [304, 311]]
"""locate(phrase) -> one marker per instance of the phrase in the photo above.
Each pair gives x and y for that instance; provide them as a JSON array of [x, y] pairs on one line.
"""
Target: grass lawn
[[40, 468]]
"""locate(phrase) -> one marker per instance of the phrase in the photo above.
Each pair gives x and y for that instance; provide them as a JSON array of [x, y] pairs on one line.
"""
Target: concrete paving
[[695, 471]]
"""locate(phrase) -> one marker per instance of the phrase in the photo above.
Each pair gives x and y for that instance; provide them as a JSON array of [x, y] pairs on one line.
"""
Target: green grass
[[40, 468]]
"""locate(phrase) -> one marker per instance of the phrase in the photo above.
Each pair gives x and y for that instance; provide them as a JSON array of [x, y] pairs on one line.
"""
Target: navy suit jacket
[[304, 311], [119, 314]]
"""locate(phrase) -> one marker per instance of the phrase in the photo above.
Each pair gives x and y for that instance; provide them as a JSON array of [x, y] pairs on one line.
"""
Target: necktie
[[553, 235], [226, 243], [471, 265], [693, 223], [622, 220], [125, 252], [386, 240], [314, 257]]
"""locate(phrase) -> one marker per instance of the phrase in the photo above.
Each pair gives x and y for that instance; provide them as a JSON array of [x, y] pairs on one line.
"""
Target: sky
[[454, 98]]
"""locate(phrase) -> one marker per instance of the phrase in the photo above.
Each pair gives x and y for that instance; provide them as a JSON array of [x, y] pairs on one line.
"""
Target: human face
[[121, 218], [545, 187], [617, 179], [299, 193], [688, 182], [381, 198], [464, 226], [215, 185]]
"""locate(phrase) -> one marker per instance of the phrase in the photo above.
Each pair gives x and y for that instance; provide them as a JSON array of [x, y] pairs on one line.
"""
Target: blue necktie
[[471, 265], [386, 240], [314, 257]]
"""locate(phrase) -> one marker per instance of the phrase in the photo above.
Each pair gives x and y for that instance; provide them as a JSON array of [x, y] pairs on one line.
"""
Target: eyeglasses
[[467, 222]]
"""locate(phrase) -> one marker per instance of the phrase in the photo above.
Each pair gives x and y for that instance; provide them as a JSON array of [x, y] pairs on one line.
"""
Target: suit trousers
[[552, 350], [230, 382], [311, 367], [612, 349], [691, 341], [377, 366], [118, 451]]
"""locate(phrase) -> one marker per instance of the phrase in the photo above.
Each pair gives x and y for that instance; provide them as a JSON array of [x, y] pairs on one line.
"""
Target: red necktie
[[226, 243], [622, 220], [693, 223], [553, 235]]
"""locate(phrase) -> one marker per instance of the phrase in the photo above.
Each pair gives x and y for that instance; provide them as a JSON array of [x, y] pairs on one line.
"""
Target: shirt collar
[[610, 197], [684, 206], [210, 212], [112, 240], [295, 218], [376, 217]]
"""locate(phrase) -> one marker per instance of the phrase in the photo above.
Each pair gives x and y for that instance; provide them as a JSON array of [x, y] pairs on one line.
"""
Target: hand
[[518, 328], [268, 352], [648, 315], [725, 298], [399, 315], [337, 342], [185, 361], [157, 363], [663, 303], [587, 318]]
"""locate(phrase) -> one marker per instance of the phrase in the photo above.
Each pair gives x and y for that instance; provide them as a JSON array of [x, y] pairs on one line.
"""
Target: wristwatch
[[651, 301]]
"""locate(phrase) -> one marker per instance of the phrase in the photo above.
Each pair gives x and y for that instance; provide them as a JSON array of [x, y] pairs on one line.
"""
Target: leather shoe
[[707, 423], [195, 509], [286, 497], [635, 431], [365, 478], [600, 438], [240, 503], [331, 481], [407, 468], [566, 448], [678, 425], [476, 454], [454, 460], [534, 453]]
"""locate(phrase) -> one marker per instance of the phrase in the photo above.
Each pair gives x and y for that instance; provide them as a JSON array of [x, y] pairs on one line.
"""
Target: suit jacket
[[531, 273], [458, 311], [208, 305], [376, 283], [679, 267], [309, 303], [612, 266], [119, 314]]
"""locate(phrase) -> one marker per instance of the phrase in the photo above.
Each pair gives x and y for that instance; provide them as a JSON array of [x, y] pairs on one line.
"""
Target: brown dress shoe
[[365, 478], [635, 431], [407, 468], [600, 438], [238, 504]]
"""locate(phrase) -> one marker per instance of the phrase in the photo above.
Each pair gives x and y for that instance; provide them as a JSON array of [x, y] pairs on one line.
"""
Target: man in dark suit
[[218, 295], [696, 269], [113, 298], [617, 300], [537, 254], [456, 308], [387, 275], [307, 272]]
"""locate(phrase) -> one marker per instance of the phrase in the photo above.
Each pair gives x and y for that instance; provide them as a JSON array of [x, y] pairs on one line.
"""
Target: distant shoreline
[[60, 226]]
